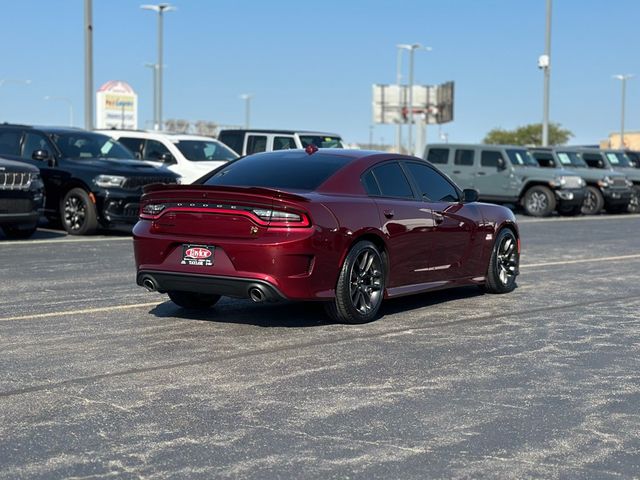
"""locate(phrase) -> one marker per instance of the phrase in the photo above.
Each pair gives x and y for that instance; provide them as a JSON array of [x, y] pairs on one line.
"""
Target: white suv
[[190, 156]]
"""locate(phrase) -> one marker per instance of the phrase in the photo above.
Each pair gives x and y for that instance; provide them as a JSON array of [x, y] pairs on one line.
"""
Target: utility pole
[[623, 79], [398, 80], [154, 67], [88, 65], [544, 62], [247, 109]]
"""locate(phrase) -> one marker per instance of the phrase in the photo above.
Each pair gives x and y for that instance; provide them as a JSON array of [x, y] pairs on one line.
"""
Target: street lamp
[[544, 63], [623, 79], [154, 66], [68, 101], [247, 108], [411, 48], [160, 8]]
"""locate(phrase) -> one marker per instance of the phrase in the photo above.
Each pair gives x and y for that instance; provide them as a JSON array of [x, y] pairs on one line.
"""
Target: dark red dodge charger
[[346, 227]]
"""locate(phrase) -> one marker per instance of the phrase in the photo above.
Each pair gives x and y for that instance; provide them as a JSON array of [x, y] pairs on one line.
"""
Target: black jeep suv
[[21, 199], [90, 179]]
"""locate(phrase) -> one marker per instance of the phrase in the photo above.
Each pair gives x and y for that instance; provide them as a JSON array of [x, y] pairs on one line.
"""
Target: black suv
[[21, 199], [90, 179]]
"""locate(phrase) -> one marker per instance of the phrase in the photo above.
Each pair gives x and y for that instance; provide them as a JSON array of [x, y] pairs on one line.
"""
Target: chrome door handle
[[438, 217], [389, 213], [482, 173], [456, 171]]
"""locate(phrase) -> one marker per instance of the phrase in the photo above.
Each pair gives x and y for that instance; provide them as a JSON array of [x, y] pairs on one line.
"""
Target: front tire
[[539, 201], [593, 201], [503, 264], [360, 286], [193, 301], [78, 213], [634, 203]]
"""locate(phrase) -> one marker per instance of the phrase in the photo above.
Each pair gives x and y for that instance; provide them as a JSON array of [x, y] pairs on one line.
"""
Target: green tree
[[528, 135]]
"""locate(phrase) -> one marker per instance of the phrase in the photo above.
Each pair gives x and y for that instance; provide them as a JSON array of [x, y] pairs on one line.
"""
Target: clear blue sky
[[311, 64]]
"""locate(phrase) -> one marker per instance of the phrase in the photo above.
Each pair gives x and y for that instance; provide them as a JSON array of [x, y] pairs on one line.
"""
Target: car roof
[[475, 145], [284, 132], [155, 134]]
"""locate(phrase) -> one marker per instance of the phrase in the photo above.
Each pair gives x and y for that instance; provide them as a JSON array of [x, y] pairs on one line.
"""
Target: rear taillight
[[151, 209], [276, 215]]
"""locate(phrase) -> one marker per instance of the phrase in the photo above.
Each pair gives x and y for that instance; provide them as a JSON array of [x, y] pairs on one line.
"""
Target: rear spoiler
[[274, 192]]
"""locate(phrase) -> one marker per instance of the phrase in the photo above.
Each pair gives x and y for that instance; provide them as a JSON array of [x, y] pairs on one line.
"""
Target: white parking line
[[593, 218], [64, 240], [36, 316], [581, 260]]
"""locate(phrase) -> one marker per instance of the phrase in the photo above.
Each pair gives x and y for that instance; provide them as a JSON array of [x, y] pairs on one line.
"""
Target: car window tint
[[490, 158], [291, 170], [32, 142], [392, 181], [370, 184], [153, 150], [594, 160], [233, 140], [463, 157], [546, 159], [433, 186], [438, 155], [284, 143], [321, 141], [133, 144], [10, 142], [256, 143]]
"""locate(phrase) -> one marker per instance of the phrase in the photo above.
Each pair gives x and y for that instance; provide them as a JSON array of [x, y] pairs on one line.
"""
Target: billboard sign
[[117, 106], [432, 103]]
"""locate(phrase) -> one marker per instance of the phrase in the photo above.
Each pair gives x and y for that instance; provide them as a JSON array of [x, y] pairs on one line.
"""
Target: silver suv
[[508, 174], [606, 188]]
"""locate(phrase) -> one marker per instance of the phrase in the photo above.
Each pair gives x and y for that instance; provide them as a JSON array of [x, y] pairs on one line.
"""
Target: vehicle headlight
[[107, 181], [558, 182], [629, 182], [582, 182], [605, 182]]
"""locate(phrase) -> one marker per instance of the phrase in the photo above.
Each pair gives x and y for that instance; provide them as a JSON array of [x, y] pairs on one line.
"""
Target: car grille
[[16, 205], [15, 180], [573, 182], [133, 183], [618, 182]]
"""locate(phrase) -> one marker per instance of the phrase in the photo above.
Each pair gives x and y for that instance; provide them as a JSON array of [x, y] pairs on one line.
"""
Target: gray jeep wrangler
[[508, 174]]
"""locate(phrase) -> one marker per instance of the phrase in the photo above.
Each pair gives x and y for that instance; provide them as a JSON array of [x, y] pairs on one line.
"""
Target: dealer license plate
[[198, 255]]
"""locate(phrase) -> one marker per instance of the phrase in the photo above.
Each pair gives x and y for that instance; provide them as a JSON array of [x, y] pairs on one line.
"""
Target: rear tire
[[15, 232], [360, 286], [634, 203], [503, 264], [193, 301], [78, 213], [593, 201], [539, 201]]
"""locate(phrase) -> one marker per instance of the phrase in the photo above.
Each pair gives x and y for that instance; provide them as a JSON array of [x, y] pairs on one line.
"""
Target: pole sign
[[117, 106], [433, 102]]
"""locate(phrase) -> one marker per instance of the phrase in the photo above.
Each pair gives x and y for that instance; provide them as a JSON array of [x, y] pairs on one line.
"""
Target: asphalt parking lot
[[101, 378]]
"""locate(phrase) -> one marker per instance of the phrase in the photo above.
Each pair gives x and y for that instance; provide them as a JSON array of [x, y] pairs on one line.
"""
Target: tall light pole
[[411, 48], [160, 8], [400, 49], [247, 108], [544, 62], [68, 102], [623, 79], [88, 65], [154, 67]]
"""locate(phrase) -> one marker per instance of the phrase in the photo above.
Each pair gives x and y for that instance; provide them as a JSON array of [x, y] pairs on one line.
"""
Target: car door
[[492, 178], [405, 221], [454, 242], [463, 170]]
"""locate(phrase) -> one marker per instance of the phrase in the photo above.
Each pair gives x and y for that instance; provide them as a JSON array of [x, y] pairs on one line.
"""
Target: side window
[[392, 181], [233, 140], [32, 142], [370, 184], [594, 160], [10, 142], [153, 150], [284, 143], [490, 158], [545, 159], [256, 143], [133, 144], [433, 186], [438, 155], [463, 157]]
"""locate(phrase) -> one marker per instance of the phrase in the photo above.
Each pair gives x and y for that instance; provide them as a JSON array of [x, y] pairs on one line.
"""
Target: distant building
[[631, 141]]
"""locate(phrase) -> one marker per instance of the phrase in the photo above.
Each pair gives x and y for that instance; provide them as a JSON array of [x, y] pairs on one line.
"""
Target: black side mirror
[[469, 195], [40, 155], [501, 165], [167, 158]]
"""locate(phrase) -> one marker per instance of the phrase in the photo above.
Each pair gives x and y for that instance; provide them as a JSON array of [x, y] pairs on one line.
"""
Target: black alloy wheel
[[634, 203], [593, 201], [504, 263], [360, 286], [539, 201], [78, 213], [192, 300]]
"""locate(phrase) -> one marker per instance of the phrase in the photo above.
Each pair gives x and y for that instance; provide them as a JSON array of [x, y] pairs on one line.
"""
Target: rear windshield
[[204, 150], [283, 170], [521, 158], [321, 141]]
